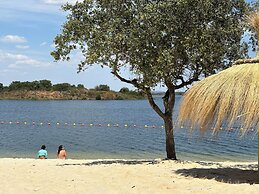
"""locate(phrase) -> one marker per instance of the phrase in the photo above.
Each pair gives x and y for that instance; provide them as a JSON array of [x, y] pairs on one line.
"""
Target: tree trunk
[[168, 101], [169, 135]]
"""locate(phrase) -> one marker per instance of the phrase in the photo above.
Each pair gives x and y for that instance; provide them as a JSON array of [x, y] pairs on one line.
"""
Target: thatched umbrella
[[228, 98]]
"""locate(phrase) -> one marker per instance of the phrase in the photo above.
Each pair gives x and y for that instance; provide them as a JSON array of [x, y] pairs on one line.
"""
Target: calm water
[[108, 129]]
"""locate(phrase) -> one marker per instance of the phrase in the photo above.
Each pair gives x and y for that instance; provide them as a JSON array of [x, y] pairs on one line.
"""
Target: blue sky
[[27, 31]]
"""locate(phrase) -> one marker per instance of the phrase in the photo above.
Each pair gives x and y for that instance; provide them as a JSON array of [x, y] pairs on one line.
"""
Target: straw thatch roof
[[229, 98], [224, 99]]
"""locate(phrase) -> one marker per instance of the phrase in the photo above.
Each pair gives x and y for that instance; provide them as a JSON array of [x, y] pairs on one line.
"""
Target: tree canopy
[[156, 40], [102, 87], [171, 43]]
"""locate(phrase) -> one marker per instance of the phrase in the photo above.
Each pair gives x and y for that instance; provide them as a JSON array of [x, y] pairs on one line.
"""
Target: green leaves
[[156, 40]]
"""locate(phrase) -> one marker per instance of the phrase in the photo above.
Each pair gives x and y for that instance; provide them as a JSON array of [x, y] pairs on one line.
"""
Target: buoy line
[[103, 125], [77, 124]]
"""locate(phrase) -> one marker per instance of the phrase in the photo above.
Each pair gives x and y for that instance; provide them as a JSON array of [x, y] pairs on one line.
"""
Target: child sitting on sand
[[61, 153], [42, 153]]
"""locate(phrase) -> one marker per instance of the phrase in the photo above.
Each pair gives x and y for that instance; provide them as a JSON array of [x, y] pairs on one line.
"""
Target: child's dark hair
[[61, 147], [43, 147]]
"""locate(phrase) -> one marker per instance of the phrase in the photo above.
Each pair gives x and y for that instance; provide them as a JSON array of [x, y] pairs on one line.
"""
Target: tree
[[34, 85], [80, 86], [45, 85], [1, 87], [102, 87], [61, 87], [124, 90], [15, 85], [172, 43]]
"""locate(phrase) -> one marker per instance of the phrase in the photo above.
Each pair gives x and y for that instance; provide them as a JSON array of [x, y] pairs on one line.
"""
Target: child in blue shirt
[[42, 153]]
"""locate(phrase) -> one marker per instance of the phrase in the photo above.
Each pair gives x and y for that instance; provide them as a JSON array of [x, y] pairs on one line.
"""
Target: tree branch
[[146, 90], [169, 97], [153, 104], [133, 82], [190, 81]]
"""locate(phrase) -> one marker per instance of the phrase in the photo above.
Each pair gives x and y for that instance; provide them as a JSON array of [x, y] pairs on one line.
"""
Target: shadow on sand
[[107, 162], [236, 174]]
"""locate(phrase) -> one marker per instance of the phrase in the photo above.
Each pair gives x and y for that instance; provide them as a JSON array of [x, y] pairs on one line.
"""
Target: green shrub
[[124, 90], [98, 97], [119, 98], [102, 88]]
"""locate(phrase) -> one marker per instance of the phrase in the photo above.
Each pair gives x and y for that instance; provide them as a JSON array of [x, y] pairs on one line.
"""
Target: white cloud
[[38, 11], [29, 10], [43, 43], [56, 2], [9, 56], [19, 61], [4, 71], [22, 46], [14, 66], [13, 39], [60, 2]]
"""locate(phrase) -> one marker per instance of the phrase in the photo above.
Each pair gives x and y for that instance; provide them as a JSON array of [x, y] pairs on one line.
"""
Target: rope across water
[[74, 124]]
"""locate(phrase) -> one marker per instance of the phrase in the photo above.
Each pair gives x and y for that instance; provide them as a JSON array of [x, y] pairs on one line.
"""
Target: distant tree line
[[46, 85]]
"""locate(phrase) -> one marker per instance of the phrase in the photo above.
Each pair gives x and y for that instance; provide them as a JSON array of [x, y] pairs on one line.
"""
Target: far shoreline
[[33, 98]]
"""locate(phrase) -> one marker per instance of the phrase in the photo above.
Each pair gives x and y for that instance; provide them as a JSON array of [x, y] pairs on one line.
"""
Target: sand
[[126, 176]]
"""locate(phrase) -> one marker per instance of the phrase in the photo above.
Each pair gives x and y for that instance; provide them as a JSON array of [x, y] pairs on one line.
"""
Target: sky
[[27, 31]]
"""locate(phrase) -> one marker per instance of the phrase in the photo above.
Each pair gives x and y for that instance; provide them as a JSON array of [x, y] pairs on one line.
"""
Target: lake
[[91, 129]]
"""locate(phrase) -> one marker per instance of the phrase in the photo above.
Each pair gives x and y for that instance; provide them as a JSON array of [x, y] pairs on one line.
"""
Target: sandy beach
[[126, 176]]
